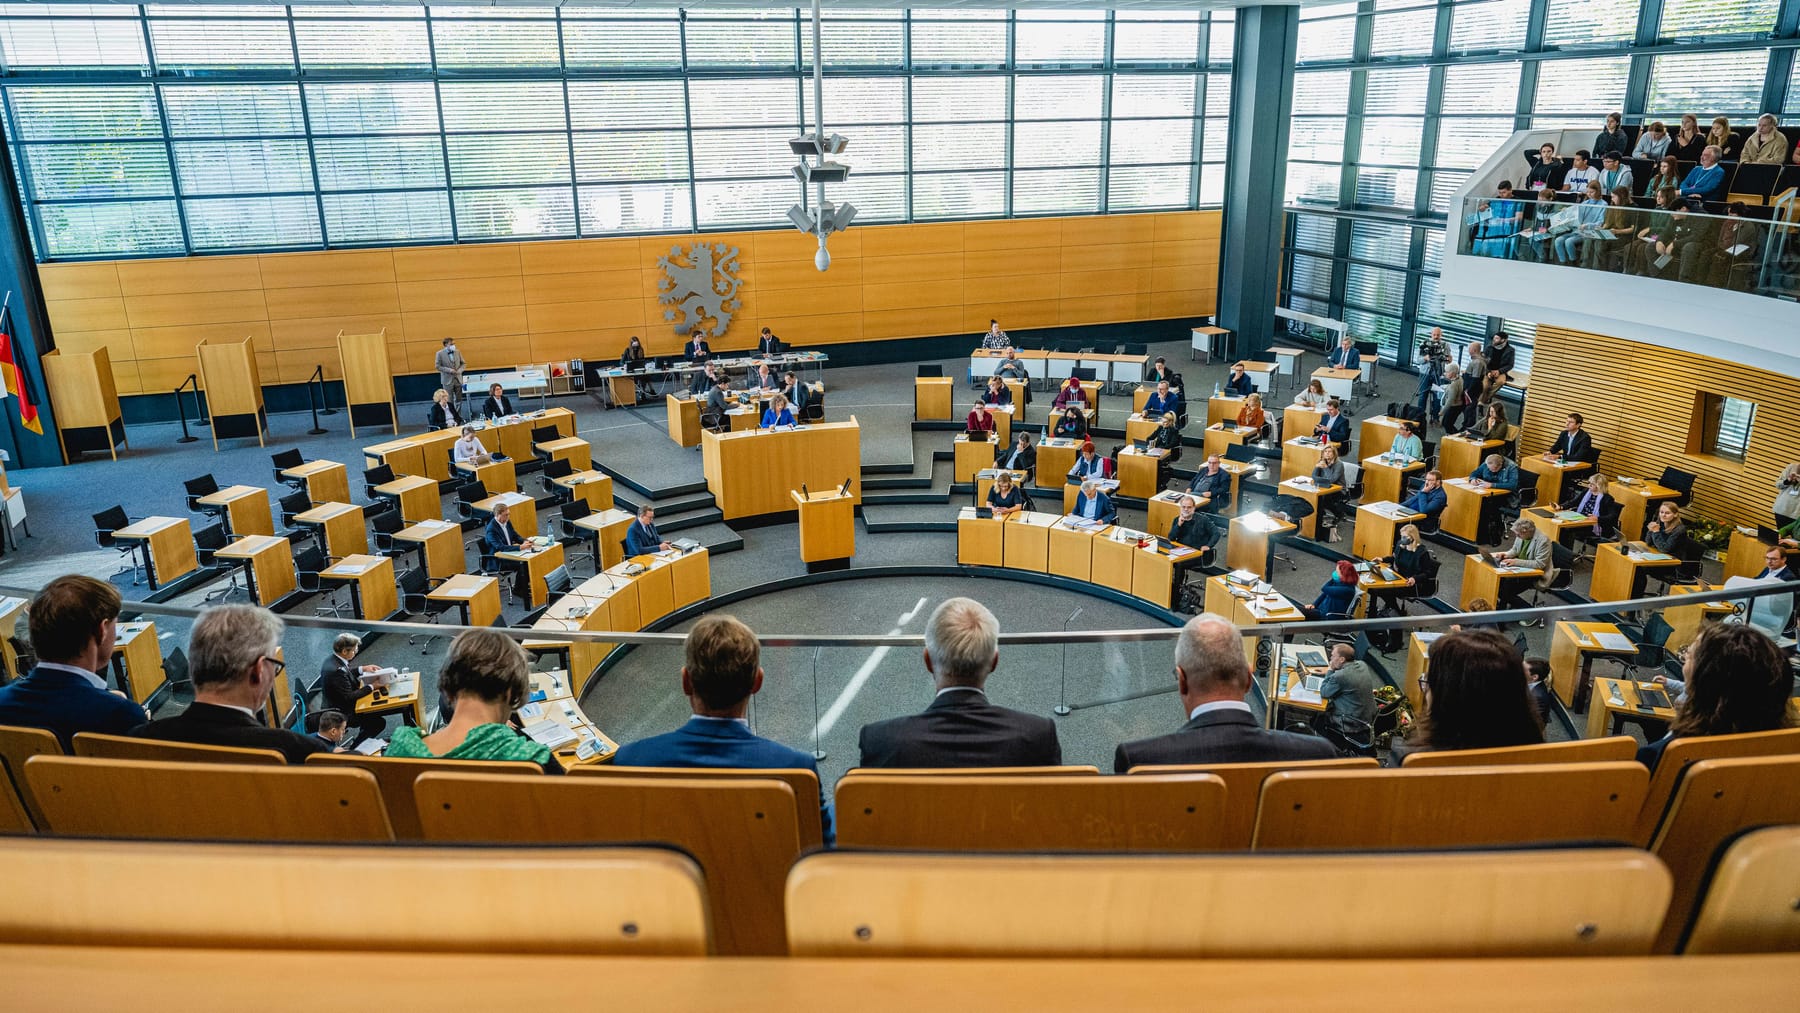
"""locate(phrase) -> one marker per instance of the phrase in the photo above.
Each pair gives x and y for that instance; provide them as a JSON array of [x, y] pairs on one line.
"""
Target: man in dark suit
[[768, 343], [1572, 441], [500, 536], [1212, 678], [1194, 530], [1775, 567], [497, 405], [231, 660], [332, 730], [961, 728], [704, 380], [1537, 674], [642, 537], [1212, 482], [797, 394], [1334, 426], [73, 624], [723, 671], [696, 349], [1021, 456], [342, 686]]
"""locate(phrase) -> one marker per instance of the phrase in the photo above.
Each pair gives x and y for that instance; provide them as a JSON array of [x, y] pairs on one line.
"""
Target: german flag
[[15, 385]]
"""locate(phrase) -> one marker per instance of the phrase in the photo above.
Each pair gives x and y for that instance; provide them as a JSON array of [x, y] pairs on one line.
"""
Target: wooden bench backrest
[[1717, 799], [206, 801], [13, 817], [1155, 812], [975, 771], [1456, 806], [637, 901], [1610, 749], [1678, 755], [396, 776], [1590, 901], [1243, 786], [1752, 904], [18, 745], [126, 747], [744, 833], [805, 785]]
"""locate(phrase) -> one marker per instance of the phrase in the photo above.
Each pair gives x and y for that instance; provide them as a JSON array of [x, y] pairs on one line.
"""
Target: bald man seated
[[1212, 678]]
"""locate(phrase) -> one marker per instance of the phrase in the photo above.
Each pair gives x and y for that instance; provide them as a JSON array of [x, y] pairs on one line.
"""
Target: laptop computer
[[931, 370], [984, 513], [1140, 445], [1767, 535], [1488, 558], [1152, 413]]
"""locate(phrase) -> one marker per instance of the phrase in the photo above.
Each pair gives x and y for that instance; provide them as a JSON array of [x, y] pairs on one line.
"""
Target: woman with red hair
[[1338, 596]]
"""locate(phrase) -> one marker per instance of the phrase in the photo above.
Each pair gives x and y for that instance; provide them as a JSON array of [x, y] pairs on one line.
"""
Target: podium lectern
[[233, 385], [368, 380], [86, 402], [827, 529]]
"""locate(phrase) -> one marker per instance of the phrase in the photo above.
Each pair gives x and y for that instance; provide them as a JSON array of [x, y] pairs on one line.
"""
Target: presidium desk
[[754, 472]]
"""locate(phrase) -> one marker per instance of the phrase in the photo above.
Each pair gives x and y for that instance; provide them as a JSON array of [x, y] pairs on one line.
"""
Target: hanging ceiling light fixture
[[822, 218]]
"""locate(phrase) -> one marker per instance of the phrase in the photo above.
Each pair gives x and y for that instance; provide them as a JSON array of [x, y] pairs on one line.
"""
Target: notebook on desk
[[1614, 641]]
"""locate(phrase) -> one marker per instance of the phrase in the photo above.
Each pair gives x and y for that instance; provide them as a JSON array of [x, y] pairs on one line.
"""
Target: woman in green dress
[[485, 679]]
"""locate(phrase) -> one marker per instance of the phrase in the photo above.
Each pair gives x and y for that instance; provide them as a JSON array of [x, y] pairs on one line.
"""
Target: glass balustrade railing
[[1755, 249]]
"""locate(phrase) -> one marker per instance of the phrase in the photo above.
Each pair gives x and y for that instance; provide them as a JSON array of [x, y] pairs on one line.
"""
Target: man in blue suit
[[642, 538], [723, 671], [73, 624], [1162, 400]]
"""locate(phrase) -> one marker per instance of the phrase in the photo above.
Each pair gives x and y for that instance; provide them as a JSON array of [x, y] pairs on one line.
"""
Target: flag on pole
[[15, 385]]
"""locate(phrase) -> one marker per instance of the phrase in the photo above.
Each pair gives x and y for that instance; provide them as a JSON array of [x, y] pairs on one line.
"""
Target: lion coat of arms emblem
[[700, 285]]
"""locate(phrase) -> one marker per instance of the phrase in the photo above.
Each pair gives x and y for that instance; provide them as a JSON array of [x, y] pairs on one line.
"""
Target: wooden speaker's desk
[[1137, 427], [684, 419], [1072, 491], [608, 528], [477, 598], [428, 453], [371, 580], [1464, 504], [978, 539], [1114, 559], [1300, 455], [246, 509], [1247, 541], [986, 477], [1616, 570], [751, 474], [536, 566], [1638, 503], [1572, 646], [417, 497], [440, 545], [974, 455], [1550, 523], [269, 563], [827, 526], [1376, 527], [589, 486], [1385, 478], [931, 397], [326, 481], [1140, 396], [1460, 456], [137, 660], [1302, 486], [623, 598], [168, 547], [1483, 581], [494, 476], [341, 526], [1550, 476]]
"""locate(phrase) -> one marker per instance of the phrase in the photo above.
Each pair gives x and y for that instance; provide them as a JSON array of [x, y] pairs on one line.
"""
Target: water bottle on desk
[[1217, 389]]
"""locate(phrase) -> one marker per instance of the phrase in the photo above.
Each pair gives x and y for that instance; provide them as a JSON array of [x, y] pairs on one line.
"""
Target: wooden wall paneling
[[296, 365], [800, 302], [1014, 315], [1106, 229], [978, 292], [784, 245], [189, 308], [162, 375], [574, 316], [321, 332], [440, 263], [1003, 234], [189, 276], [576, 256], [98, 280], [1105, 309], [900, 295], [780, 275], [98, 314], [462, 293], [117, 343], [180, 339], [911, 240], [594, 343], [332, 301], [912, 268], [1186, 226], [1078, 284], [814, 328], [1636, 400], [433, 326], [326, 268], [902, 323], [1133, 256], [582, 286]]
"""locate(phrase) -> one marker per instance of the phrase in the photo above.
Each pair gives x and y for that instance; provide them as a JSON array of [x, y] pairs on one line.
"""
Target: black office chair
[[543, 434], [414, 585], [1680, 481], [207, 542], [308, 563], [383, 524], [292, 504], [105, 523], [578, 543], [1652, 645], [562, 467], [491, 566], [815, 406], [197, 488], [467, 495], [1687, 571], [381, 474], [284, 460]]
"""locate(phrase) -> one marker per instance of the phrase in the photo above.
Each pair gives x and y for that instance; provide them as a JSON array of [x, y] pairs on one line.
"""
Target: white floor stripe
[[842, 703]]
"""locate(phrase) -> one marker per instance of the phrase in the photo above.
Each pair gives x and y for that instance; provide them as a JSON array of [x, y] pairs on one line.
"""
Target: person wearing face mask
[[450, 369]]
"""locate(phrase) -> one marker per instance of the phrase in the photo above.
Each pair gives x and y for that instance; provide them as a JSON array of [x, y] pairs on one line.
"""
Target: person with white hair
[[961, 728], [1212, 678], [232, 660]]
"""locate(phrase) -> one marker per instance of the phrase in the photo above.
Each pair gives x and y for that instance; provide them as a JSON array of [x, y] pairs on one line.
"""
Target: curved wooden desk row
[[1043, 543], [755, 472], [428, 454], [617, 599]]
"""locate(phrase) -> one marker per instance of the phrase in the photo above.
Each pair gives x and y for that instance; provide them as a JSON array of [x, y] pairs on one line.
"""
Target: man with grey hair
[[231, 658], [1528, 549], [1212, 678], [961, 728]]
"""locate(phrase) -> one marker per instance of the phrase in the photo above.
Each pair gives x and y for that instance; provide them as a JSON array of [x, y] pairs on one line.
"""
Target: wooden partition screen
[[1639, 400], [85, 401], [368, 384], [513, 303], [234, 397]]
